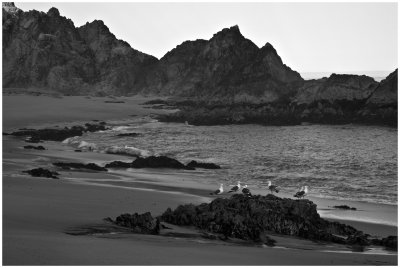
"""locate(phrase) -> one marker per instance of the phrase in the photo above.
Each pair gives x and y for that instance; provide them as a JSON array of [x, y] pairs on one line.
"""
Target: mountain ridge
[[228, 71]]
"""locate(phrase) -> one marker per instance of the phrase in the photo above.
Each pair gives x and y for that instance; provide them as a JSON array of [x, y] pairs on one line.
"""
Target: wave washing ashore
[[348, 163]]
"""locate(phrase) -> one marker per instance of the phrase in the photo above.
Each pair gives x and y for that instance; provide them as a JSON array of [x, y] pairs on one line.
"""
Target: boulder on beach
[[253, 218], [195, 164], [91, 166], [139, 223], [41, 172]]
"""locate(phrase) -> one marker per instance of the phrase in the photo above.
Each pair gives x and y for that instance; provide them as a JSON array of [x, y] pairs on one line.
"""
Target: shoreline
[[33, 225]]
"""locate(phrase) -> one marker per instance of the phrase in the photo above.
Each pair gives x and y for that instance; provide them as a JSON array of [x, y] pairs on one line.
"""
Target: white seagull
[[235, 188], [220, 190], [302, 193], [272, 188], [246, 191]]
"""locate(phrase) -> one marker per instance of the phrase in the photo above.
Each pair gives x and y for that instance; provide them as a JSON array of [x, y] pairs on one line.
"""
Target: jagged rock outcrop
[[46, 50], [251, 218], [119, 67], [228, 68]]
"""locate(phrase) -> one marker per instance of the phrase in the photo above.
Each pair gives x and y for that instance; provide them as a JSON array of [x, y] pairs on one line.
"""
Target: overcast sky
[[321, 37]]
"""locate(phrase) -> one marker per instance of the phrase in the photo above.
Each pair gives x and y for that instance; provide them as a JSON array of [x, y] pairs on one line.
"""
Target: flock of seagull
[[246, 191]]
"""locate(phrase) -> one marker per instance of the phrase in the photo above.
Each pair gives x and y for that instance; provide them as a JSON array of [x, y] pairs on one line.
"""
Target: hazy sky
[[323, 37]]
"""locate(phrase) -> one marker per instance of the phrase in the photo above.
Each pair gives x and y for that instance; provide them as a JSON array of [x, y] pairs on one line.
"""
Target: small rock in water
[[346, 207], [129, 135], [158, 162], [195, 164], [118, 164], [41, 172], [91, 166], [34, 147]]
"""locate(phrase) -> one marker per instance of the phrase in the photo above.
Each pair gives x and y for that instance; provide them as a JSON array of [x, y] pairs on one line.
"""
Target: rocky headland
[[224, 80]]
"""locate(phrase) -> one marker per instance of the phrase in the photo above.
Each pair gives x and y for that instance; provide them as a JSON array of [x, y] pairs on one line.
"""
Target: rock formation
[[41, 172], [224, 80], [46, 50]]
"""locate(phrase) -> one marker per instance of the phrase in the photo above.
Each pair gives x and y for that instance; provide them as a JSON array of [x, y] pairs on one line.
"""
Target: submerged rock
[[252, 218], [195, 164], [34, 147], [91, 166], [346, 207], [41, 172], [139, 223], [133, 134], [158, 162]]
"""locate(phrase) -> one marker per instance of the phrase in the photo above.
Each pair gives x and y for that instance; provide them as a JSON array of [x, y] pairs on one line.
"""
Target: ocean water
[[344, 162]]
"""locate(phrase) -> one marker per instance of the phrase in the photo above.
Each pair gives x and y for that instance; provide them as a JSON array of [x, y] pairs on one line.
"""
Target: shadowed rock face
[[228, 67], [45, 50]]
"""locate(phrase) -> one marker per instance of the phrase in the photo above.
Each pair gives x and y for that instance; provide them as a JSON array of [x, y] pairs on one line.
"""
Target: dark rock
[[139, 223], [46, 50], [346, 207], [78, 150], [249, 218], [195, 164], [389, 242], [115, 101], [129, 134], [118, 164], [34, 147], [158, 162], [41, 172], [90, 166], [36, 135]]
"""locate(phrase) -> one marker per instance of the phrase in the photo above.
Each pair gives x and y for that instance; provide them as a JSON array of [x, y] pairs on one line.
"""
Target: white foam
[[130, 150]]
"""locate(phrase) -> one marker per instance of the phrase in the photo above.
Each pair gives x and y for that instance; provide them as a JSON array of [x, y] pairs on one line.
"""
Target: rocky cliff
[[228, 68], [226, 79], [46, 50]]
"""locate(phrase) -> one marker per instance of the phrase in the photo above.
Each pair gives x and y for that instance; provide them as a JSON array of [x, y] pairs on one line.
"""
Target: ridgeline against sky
[[310, 37]]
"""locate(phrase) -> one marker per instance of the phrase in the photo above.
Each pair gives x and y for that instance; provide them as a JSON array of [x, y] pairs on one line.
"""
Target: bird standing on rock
[[219, 191], [235, 188], [302, 193], [272, 188], [246, 191]]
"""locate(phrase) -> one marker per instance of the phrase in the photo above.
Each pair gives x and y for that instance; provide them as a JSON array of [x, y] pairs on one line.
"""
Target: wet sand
[[38, 211]]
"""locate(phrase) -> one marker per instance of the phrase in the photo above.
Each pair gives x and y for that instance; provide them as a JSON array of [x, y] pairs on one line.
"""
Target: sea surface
[[343, 162]]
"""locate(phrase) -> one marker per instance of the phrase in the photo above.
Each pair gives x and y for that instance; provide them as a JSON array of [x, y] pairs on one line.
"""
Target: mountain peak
[[53, 12], [231, 31], [10, 7]]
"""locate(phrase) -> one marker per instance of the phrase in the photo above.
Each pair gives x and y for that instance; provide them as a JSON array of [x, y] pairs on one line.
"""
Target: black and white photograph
[[200, 133]]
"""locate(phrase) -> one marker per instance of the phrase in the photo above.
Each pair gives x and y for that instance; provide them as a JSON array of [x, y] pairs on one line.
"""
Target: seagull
[[235, 188], [246, 191], [302, 193], [219, 191], [272, 188]]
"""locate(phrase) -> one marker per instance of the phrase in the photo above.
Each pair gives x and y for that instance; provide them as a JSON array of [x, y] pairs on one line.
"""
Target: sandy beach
[[39, 212]]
